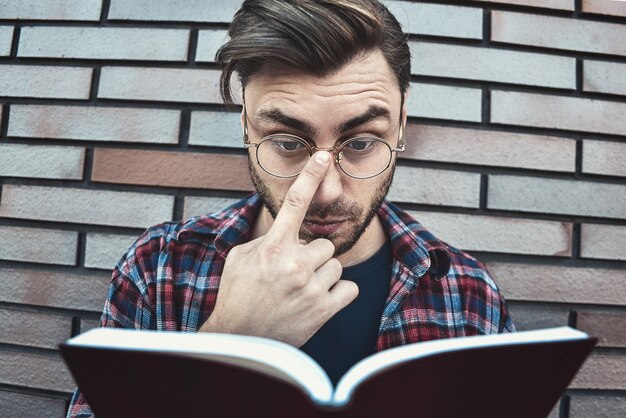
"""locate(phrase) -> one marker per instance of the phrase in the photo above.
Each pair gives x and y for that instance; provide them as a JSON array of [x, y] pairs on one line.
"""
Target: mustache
[[338, 207]]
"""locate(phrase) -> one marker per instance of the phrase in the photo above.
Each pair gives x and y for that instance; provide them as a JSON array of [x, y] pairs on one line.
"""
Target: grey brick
[[604, 372], [6, 38], [41, 161], [558, 112], [437, 19], [527, 317], [197, 205], [570, 197], [16, 404], [605, 7], [595, 406], [45, 81], [435, 187], [35, 371], [104, 43], [61, 290], [174, 10], [551, 283], [606, 242], [604, 157], [44, 330], [492, 148], [216, 129], [499, 234], [548, 31], [95, 123], [160, 84], [476, 63], [445, 102], [50, 9], [38, 245], [209, 42], [99, 207], [103, 251], [604, 77]]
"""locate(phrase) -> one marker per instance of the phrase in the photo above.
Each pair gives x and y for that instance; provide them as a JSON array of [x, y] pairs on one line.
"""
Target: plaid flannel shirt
[[170, 277]]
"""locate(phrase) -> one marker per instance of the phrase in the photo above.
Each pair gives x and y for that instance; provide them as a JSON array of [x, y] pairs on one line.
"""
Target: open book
[[166, 374]]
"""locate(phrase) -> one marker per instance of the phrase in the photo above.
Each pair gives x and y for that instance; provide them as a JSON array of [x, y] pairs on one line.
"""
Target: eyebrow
[[277, 116]]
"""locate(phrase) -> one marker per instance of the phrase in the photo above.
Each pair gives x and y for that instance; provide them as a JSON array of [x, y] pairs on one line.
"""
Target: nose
[[331, 186]]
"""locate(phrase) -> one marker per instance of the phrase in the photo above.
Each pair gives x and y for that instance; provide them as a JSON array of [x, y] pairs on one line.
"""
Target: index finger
[[298, 198]]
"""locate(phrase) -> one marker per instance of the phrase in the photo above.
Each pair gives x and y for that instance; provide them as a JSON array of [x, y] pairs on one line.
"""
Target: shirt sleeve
[[128, 305]]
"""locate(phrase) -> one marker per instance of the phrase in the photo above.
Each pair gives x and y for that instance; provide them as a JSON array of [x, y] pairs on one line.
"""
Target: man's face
[[362, 98]]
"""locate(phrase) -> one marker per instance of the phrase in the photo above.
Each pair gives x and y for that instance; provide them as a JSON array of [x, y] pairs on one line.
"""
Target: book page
[[383, 360], [263, 355]]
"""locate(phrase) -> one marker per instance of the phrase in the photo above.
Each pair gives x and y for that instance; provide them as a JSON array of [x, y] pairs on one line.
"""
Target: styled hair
[[317, 37]]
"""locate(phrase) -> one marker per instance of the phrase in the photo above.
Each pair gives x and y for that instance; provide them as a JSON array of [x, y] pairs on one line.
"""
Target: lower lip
[[323, 229]]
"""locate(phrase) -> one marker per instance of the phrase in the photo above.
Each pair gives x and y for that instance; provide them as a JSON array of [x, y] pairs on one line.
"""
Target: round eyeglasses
[[361, 157]]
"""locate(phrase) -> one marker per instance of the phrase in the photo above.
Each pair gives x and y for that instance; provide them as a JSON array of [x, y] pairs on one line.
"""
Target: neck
[[368, 244]]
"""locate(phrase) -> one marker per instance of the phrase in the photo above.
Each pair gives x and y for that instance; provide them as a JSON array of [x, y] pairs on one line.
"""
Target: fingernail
[[322, 157]]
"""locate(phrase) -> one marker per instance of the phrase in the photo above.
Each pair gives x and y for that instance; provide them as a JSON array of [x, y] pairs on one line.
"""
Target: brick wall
[[111, 121]]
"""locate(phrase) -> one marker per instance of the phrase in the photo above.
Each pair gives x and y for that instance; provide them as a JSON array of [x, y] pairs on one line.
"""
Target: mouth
[[323, 227]]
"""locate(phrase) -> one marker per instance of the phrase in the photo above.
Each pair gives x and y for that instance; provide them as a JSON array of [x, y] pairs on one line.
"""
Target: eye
[[287, 145], [360, 145]]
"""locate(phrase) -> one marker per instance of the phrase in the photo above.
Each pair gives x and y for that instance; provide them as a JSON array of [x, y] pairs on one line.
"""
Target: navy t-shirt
[[351, 334]]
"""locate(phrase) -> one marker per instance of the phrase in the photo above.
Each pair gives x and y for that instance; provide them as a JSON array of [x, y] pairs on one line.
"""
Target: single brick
[[492, 148], [45, 81], [95, 123], [35, 371], [216, 11], [438, 20], [604, 157], [605, 7], [6, 38], [435, 187], [44, 330], [41, 161], [171, 169], [103, 251], [610, 328], [36, 245], [527, 316], [160, 84], [54, 289], [558, 112], [209, 42], [16, 404], [104, 43], [604, 77], [499, 234], [602, 372], [547, 31], [547, 4], [549, 283], [606, 242], [476, 63], [197, 205], [570, 197], [99, 207], [445, 102], [585, 406], [216, 129], [50, 9]]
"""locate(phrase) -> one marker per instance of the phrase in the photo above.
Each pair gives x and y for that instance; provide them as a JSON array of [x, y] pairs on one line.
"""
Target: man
[[316, 258]]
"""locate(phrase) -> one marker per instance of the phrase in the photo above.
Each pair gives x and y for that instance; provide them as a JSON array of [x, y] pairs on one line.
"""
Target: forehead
[[364, 82]]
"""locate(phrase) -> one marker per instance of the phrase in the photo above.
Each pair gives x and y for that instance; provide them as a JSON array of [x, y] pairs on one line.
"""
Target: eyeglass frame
[[335, 150]]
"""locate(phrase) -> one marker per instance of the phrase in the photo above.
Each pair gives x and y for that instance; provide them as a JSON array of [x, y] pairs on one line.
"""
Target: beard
[[343, 240]]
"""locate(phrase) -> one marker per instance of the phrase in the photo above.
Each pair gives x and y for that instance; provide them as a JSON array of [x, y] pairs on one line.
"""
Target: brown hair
[[314, 36]]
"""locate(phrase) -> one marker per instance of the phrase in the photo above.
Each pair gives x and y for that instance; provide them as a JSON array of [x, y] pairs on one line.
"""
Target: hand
[[276, 286]]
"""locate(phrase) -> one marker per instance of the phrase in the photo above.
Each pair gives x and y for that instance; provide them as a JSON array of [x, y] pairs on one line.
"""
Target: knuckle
[[295, 200]]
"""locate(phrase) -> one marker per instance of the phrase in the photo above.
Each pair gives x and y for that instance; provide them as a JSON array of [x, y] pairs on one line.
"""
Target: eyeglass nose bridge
[[335, 150]]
